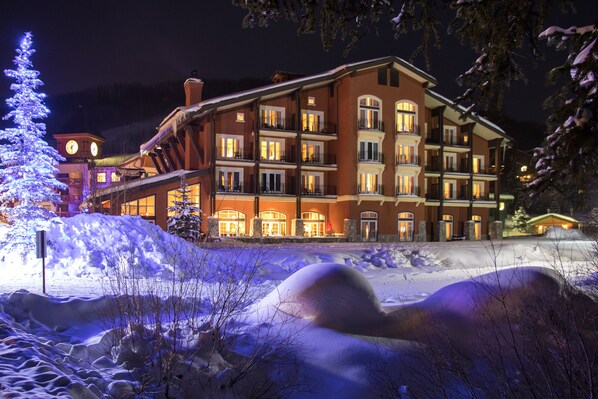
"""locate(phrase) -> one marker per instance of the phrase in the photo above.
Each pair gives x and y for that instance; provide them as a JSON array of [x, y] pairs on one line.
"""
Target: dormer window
[[311, 101]]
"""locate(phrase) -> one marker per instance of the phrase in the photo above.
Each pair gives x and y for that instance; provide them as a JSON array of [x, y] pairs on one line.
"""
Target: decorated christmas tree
[[185, 221], [27, 162]]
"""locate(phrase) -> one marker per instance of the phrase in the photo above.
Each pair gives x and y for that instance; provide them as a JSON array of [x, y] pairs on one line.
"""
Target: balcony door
[[405, 226], [369, 226], [271, 182]]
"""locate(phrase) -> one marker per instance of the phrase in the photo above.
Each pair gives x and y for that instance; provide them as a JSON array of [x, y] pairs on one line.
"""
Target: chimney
[[193, 87]]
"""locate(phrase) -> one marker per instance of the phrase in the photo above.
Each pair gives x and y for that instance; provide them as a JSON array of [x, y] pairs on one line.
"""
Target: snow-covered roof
[[540, 218], [181, 115], [148, 181]]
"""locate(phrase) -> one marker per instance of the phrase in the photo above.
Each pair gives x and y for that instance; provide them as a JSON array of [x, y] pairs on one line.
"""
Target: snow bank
[[558, 233]]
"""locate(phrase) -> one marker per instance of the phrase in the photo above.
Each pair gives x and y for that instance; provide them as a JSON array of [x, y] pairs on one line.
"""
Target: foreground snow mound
[[558, 233], [330, 295], [87, 244]]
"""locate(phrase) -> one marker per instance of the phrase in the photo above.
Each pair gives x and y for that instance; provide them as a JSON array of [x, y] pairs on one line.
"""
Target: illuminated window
[[231, 223], [477, 226], [311, 152], [240, 117], [145, 207], [478, 164], [478, 190], [101, 177], [229, 179], [368, 183], [271, 149], [273, 223], [524, 168], [406, 154], [405, 226], [114, 177], [449, 190], [448, 225], [313, 224], [173, 195], [311, 101], [405, 185], [369, 225], [311, 183], [312, 121], [370, 112], [229, 146], [273, 117], [406, 117]]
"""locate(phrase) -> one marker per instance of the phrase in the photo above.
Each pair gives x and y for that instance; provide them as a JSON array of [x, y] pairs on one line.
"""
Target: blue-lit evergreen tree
[[186, 220], [27, 162]]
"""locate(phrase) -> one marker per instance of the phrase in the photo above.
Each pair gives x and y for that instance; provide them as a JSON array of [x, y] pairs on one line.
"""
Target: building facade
[[365, 150]]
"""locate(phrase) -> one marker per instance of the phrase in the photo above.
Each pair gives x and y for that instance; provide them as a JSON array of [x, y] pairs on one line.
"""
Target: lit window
[[311, 101], [145, 207], [240, 117], [101, 177], [406, 117], [370, 113], [114, 177], [231, 223], [405, 226], [273, 223], [193, 196], [524, 168]]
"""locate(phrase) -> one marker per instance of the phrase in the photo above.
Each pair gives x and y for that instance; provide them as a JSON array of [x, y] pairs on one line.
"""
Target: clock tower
[[79, 147]]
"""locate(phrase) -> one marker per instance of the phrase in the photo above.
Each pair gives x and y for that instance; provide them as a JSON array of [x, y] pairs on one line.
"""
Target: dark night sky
[[82, 44]]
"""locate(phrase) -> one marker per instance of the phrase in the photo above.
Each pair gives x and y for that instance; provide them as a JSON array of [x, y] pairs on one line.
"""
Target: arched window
[[370, 113], [405, 226], [406, 117], [369, 226], [231, 223], [314, 224], [274, 223], [448, 224]]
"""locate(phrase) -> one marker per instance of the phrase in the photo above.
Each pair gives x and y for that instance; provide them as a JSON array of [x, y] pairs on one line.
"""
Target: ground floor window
[[273, 223], [314, 224], [405, 226], [173, 195], [448, 225], [369, 226], [231, 223], [477, 226], [145, 207]]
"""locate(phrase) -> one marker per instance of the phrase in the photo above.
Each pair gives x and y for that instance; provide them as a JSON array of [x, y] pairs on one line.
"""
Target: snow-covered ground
[[349, 318]]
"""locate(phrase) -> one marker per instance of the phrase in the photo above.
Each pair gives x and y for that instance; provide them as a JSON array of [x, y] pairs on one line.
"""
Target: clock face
[[72, 147], [94, 149]]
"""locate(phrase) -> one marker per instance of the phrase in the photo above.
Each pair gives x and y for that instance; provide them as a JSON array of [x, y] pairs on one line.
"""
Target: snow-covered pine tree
[[27, 162], [570, 154], [186, 220], [520, 219]]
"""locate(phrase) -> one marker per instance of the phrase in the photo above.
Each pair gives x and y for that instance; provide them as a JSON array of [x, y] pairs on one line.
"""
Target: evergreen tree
[[27, 162], [520, 219], [569, 156], [186, 220]]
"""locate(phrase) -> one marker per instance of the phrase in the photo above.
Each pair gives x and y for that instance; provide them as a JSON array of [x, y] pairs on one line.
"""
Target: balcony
[[318, 191], [368, 124], [321, 128], [407, 191], [277, 189], [235, 188], [281, 157], [414, 131], [369, 156], [370, 189], [450, 141], [464, 195], [407, 160], [279, 124], [433, 193], [319, 159], [240, 155], [433, 165]]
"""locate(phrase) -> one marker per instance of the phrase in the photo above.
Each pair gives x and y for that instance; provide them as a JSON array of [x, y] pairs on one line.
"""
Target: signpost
[[40, 250]]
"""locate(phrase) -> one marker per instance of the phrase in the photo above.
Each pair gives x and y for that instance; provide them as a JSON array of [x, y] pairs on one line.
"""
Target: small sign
[[40, 244]]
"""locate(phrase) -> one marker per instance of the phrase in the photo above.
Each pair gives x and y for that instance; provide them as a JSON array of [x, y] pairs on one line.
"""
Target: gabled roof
[[540, 218], [181, 115], [484, 128]]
